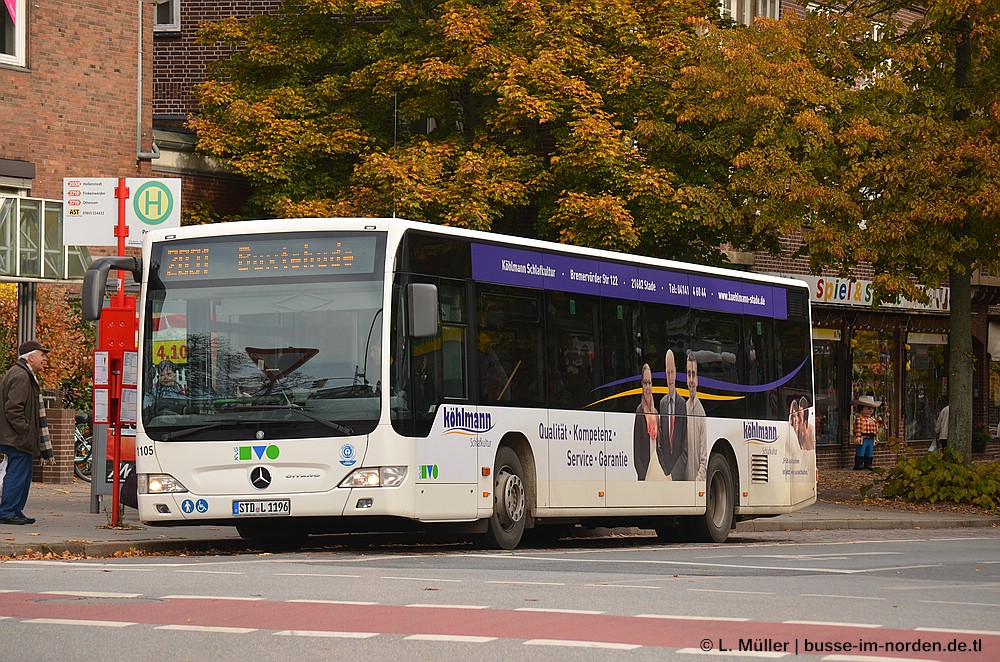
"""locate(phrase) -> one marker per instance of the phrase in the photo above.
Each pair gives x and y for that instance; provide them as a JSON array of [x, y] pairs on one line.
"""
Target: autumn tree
[[470, 113], [61, 328], [879, 138]]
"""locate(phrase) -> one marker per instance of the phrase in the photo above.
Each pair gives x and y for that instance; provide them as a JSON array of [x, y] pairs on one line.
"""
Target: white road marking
[[76, 621], [967, 604], [558, 611], [728, 566], [310, 574], [324, 633], [620, 586], [468, 639], [428, 606], [872, 658], [835, 624], [336, 602], [213, 572], [208, 597], [581, 644], [424, 579], [698, 651], [528, 583], [693, 618], [821, 557], [715, 590], [991, 633], [91, 594], [206, 628], [846, 597]]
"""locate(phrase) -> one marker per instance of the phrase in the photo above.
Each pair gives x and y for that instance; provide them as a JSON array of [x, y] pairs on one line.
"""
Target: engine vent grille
[[758, 468]]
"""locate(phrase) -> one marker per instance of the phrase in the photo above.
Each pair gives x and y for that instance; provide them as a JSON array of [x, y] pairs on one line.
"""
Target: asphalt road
[[893, 594]]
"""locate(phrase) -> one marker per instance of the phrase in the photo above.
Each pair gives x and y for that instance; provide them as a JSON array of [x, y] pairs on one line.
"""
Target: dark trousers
[[16, 483]]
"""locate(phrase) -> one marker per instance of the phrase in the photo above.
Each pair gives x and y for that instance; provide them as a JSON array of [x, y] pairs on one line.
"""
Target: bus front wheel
[[506, 526], [720, 502]]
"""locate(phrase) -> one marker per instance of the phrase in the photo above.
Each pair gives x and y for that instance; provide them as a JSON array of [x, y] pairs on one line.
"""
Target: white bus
[[307, 376]]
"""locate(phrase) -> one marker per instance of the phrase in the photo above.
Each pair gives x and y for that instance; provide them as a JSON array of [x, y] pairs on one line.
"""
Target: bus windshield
[[263, 357]]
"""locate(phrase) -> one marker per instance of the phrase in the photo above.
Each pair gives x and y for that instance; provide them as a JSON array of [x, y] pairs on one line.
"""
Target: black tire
[[720, 502], [83, 467], [510, 502]]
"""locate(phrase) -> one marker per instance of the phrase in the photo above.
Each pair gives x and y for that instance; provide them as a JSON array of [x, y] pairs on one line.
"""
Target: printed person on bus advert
[[24, 432], [798, 417], [673, 456], [697, 447], [646, 436]]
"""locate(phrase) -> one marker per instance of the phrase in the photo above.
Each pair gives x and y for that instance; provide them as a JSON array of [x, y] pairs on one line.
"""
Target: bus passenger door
[[447, 477]]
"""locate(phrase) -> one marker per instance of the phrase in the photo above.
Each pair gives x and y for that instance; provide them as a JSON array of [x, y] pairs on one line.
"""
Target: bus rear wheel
[[720, 502], [510, 510]]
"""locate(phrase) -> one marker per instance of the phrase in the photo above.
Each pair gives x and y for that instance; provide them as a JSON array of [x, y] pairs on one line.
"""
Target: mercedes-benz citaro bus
[[306, 376]]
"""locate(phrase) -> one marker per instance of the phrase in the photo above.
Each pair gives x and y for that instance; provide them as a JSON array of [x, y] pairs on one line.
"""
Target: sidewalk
[[65, 525]]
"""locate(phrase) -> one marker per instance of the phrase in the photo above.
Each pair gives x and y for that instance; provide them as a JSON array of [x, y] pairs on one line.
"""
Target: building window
[[12, 36], [826, 361], [926, 383], [873, 373], [168, 16], [745, 11]]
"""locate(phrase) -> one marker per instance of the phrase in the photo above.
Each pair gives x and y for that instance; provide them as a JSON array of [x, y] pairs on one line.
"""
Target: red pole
[[116, 420], [121, 231]]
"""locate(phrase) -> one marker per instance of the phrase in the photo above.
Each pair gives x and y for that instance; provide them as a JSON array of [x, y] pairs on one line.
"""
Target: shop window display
[[926, 378], [872, 372]]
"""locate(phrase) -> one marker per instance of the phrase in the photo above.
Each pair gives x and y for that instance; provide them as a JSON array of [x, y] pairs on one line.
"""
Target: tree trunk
[[961, 361]]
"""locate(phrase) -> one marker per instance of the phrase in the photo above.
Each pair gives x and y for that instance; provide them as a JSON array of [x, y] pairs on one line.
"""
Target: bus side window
[[510, 347], [573, 349]]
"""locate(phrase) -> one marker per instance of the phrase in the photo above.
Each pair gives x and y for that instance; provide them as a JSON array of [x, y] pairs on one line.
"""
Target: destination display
[[567, 273], [247, 257]]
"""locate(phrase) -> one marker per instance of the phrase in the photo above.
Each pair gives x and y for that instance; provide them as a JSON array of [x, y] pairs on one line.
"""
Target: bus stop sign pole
[[119, 335]]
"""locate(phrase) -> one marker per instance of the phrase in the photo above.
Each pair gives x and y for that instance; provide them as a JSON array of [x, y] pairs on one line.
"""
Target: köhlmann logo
[[458, 420], [767, 434]]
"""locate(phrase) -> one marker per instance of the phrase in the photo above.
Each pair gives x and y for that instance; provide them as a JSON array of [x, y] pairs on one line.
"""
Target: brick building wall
[[61, 423], [72, 110], [180, 62]]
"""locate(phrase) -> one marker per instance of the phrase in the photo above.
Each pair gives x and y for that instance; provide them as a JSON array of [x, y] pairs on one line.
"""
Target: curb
[[760, 526]]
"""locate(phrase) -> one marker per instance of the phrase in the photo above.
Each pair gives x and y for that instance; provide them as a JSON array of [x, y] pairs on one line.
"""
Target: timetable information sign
[[90, 209]]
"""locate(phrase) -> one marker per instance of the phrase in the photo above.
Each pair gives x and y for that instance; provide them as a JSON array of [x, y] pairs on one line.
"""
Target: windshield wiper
[[177, 434], [337, 427]]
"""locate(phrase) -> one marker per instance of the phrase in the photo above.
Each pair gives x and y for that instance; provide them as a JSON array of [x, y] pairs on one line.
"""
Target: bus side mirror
[[95, 281], [422, 306]]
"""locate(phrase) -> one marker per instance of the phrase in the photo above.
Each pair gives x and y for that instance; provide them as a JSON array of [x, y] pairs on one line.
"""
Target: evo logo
[[428, 471], [244, 453]]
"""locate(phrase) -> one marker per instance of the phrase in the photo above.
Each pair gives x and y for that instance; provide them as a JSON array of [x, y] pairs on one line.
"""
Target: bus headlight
[[160, 484], [375, 477]]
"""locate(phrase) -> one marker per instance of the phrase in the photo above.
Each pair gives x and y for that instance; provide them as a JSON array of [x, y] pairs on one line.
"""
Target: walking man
[[24, 433]]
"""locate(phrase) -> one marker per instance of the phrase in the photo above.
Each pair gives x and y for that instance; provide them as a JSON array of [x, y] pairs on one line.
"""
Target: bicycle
[[83, 436]]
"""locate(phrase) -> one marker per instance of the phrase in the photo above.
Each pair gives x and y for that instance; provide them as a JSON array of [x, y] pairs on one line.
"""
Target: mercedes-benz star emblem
[[260, 478]]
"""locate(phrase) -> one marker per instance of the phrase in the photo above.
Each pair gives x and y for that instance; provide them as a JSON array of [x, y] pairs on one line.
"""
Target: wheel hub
[[510, 499]]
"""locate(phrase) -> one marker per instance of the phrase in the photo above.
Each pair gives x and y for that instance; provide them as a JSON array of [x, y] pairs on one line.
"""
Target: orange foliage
[[58, 326]]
